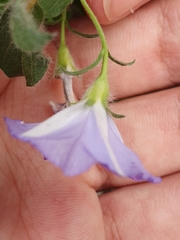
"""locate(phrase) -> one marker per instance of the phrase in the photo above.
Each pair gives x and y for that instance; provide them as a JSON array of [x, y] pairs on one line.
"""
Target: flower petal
[[128, 160], [59, 120], [66, 147], [16, 127]]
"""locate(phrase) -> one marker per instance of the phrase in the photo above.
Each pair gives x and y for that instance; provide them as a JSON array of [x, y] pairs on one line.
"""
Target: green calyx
[[98, 91], [64, 60]]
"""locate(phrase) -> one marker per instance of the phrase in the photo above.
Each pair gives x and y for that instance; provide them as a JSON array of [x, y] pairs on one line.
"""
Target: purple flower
[[78, 137]]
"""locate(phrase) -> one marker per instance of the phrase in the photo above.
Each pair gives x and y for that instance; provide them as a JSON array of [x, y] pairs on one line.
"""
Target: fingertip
[[98, 9], [109, 11]]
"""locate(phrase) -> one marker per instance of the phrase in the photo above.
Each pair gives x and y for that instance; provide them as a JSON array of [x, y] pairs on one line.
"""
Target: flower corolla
[[80, 136]]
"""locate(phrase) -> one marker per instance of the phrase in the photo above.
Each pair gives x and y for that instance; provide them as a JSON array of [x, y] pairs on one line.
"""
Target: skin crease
[[38, 202]]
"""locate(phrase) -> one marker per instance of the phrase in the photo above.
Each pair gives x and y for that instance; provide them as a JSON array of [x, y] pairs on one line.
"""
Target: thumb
[[109, 11]]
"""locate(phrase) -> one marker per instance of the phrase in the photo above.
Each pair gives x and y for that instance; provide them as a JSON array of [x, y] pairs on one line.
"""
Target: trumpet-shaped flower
[[80, 136]]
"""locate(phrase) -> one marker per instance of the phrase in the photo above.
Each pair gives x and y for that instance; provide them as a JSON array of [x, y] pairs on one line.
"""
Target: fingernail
[[114, 9]]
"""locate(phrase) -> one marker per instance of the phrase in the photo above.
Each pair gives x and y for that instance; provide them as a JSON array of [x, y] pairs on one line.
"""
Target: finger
[[43, 204], [154, 44], [109, 11], [38, 191], [4, 80], [151, 128], [143, 211]]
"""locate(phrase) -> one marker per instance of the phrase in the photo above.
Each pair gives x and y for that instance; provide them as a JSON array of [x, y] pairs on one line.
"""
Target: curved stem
[[79, 33], [63, 24], [101, 35], [75, 73]]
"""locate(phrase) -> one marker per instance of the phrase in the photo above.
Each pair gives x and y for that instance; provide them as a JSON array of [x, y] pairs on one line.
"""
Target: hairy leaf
[[10, 60], [3, 2], [25, 33], [38, 14], [14, 62], [34, 66]]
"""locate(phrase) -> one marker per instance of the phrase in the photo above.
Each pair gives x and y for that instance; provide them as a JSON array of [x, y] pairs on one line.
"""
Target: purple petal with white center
[[79, 144]]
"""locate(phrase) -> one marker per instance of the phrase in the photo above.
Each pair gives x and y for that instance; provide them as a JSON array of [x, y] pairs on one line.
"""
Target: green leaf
[[15, 62], [10, 60], [53, 8], [2, 9], [25, 33], [38, 14], [121, 63], [52, 21], [34, 66], [3, 2]]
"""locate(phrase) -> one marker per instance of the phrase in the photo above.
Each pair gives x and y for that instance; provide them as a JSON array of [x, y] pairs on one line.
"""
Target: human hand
[[39, 202]]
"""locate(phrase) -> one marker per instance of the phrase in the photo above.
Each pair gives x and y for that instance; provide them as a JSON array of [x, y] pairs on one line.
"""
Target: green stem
[[62, 46], [101, 35], [63, 24], [63, 58]]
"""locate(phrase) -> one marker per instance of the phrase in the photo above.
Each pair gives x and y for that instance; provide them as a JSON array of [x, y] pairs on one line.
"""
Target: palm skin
[[38, 202]]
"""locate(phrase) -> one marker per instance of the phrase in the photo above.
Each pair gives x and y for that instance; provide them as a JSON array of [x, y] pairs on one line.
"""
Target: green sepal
[[79, 33], [75, 73], [115, 115], [119, 62]]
